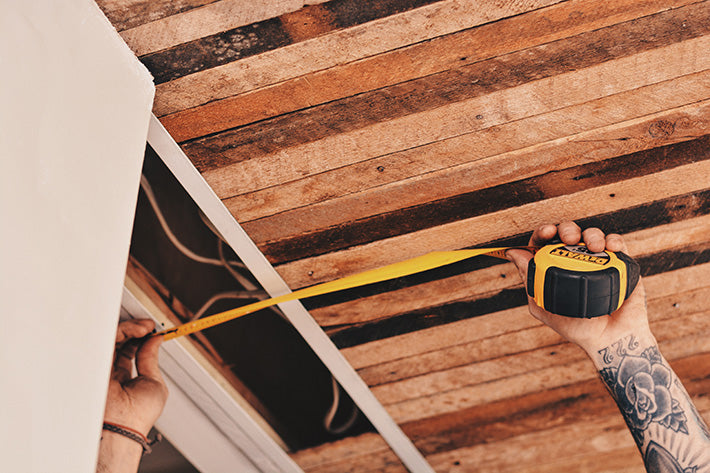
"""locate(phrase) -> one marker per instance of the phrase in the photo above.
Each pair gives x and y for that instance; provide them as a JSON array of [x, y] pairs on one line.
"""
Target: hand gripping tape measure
[[565, 280]]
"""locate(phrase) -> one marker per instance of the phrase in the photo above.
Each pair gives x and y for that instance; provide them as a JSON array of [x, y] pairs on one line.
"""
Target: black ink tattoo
[[619, 348], [660, 460], [641, 385]]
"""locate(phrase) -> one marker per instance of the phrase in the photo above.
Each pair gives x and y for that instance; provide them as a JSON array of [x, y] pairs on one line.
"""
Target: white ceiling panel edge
[[203, 195]]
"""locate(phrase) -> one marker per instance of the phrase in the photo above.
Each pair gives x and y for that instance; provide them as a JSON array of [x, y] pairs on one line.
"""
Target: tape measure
[[573, 281], [558, 277]]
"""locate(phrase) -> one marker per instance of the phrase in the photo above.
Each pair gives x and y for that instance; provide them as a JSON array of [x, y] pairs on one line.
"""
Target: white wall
[[74, 111]]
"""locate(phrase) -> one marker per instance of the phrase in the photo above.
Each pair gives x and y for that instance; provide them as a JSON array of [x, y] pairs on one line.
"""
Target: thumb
[[521, 259], [147, 358]]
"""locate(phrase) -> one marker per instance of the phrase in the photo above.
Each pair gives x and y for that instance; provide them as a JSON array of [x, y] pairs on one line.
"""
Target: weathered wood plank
[[427, 317], [477, 284], [125, 14], [478, 160], [686, 341], [429, 57], [469, 331], [343, 451], [604, 199], [492, 199], [196, 23], [327, 51], [509, 367], [338, 311], [340, 450], [625, 460], [452, 120], [494, 392], [516, 436], [412, 99], [500, 324], [513, 365], [229, 46], [576, 403], [599, 437], [663, 237], [199, 55], [379, 463], [539, 412], [516, 340]]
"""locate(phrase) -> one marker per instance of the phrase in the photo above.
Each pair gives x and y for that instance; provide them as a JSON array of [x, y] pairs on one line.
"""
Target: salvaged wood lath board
[[345, 135]]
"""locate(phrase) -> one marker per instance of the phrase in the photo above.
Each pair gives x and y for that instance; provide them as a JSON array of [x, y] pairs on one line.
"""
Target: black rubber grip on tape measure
[[584, 294], [576, 294], [633, 272]]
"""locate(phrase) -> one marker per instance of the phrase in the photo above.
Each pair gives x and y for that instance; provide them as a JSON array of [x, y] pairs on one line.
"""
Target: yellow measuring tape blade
[[419, 264]]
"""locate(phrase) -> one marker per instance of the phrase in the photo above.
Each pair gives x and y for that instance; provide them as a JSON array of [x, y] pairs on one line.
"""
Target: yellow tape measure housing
[[571, 280]]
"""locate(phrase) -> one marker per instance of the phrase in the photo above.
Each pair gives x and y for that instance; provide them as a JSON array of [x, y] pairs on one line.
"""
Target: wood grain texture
[[342, 47], [382, 327], [125, 14], [487, 228], [501, 439], [458, 118], [501, 324], [243, 41], [519, 69], [484, 382], [403, 64], [412, 354], [489, 430], [489, 200], [578, 402], [380, 185], [211, 19], [349, 321], [674, 228]]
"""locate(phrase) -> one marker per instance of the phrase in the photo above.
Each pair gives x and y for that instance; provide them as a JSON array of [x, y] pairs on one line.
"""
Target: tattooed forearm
[[663, 421]]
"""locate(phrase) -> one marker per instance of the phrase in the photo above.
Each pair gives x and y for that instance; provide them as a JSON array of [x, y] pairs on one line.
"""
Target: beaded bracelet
[[130, 433]]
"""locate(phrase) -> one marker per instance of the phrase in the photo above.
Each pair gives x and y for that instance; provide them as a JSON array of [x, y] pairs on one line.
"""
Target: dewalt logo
[[581, 254]]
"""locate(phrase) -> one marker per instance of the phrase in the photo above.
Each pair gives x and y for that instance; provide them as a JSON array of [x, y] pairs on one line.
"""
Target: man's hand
[[661, 417], [135, 402], [132, 402], [598, 332]]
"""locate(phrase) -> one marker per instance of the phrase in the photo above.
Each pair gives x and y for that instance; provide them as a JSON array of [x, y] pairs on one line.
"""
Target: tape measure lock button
[[575, 282]]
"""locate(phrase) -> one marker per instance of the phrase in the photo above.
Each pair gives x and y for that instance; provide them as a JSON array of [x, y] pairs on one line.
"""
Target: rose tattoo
[[644, 386], [641, 386]]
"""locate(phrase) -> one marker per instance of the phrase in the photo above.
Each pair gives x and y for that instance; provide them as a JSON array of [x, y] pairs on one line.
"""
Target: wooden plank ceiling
[[344, 135]]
